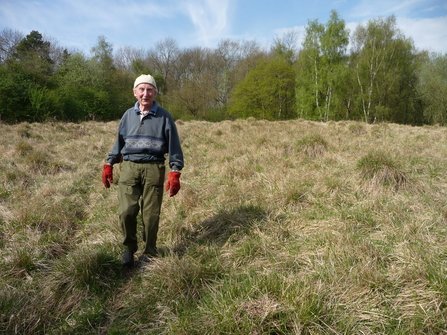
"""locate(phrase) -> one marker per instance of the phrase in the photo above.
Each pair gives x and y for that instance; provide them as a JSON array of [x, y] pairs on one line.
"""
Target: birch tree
[[384, 63], [320, 66]]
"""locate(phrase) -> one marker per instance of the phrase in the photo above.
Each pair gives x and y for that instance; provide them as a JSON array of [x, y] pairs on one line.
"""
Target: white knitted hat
[[145, 78]]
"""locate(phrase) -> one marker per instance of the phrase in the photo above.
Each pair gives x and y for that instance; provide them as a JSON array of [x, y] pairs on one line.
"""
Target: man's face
[[145, 93]]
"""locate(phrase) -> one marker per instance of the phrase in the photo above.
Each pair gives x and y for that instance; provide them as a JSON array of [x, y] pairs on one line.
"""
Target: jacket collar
[[152, 111]]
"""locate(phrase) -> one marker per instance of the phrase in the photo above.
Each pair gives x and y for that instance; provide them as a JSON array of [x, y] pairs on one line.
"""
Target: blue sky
[[143, 23]]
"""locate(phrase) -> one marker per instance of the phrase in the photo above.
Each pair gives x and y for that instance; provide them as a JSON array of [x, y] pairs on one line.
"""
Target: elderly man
[[145, 134]]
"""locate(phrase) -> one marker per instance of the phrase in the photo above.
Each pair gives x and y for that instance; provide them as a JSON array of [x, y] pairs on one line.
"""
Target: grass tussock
[[312, 145], [290, 227], [378, 168]]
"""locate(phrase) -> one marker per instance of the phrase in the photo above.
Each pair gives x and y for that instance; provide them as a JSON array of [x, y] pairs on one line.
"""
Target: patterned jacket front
[[147, 139]]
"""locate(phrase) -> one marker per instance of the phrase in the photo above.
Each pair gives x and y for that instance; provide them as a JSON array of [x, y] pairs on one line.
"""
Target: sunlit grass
[[291, 227]]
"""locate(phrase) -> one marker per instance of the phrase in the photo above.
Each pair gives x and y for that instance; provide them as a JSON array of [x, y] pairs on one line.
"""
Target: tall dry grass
[[289, 227]]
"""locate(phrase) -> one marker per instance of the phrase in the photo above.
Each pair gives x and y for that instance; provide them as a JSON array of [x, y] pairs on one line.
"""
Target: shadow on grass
[[224, 226], [217, 230]]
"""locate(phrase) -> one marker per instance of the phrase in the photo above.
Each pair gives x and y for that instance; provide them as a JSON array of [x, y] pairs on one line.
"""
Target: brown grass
[[291, 227]]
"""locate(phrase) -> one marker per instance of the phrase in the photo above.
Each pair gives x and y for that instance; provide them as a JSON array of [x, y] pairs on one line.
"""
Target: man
[[145, 134]]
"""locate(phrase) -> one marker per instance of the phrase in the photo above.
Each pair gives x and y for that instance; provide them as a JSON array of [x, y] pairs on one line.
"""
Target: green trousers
[[140, 187]]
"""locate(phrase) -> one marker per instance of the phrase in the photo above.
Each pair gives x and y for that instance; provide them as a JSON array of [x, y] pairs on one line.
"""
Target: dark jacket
[[148, 139]]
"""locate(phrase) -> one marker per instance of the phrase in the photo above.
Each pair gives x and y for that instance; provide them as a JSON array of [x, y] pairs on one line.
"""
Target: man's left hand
[[107, 175]]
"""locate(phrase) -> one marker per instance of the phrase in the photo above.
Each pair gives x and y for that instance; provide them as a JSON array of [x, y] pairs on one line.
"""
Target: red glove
[[107, 175], [173, 183]]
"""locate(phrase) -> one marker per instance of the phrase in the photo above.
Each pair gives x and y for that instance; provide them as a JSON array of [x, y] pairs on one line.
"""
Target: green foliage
[[385, 64], [22, 96], [266, 93], [432, 87], [79, 89], [321, 67], [382, 79], [25, 81], [33, 53], [33, 43]]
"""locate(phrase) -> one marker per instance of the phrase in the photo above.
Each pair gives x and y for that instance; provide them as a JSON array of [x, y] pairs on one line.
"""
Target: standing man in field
[[145, 134]]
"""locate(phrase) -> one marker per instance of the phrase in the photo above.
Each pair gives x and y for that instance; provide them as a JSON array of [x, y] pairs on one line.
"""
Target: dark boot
[[128, 259]]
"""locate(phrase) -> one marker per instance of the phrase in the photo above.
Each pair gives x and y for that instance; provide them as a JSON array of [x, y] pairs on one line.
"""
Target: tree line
[[374, 74]]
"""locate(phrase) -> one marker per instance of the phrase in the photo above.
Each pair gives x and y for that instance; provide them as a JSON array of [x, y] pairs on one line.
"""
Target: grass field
[[291, 227]]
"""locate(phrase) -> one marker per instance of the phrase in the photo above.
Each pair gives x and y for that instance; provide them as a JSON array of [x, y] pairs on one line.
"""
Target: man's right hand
[[107, 175], [173, 183]]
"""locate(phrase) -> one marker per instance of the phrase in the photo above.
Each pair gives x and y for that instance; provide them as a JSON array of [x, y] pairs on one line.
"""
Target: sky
[[77, 24]]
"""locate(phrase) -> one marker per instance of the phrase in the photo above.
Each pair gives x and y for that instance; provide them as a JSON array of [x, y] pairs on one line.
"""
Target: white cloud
[[369, 9], [76, 22], [141, 23], [428, 34], [209, 17]]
